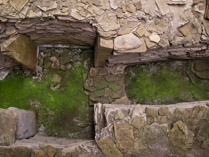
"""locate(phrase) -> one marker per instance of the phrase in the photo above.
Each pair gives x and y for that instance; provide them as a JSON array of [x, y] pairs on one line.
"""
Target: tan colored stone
[[109, 148], [22, 49], [39, 153], [123, 8], [177, 2], [119, 115], [126, 42], [120, 14], [124, 30], [124, 137], [7, 127], [33, 14], [163, 41], [103, 49], [163, 111], [154, 37], [177, 138], [75, 14], [206, 26], [18, 4], [138, 122], [138, 5], [149, 43], [11, 30], [141, 31], [108, 21], [141, 48], [163, 7], [185, 29], [129, 8], [151, 112], [114, 4]]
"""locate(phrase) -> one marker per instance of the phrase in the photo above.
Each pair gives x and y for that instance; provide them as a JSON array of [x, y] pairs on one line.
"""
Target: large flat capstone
[[22, 49]]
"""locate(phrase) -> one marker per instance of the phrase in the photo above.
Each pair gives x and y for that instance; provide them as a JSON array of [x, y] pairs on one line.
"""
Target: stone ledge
[[40, 146]]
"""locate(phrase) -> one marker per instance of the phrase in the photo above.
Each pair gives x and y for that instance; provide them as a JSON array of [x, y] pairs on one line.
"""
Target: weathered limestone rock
[[126, 42], [138, 5], [22, 49], [177, 2], [154, 37], [26, 123], [18, 4], [7, 127], [177, 138], [149, 43], [103, 49], [206, 26], [124, 137], [109, 148], [114, 4], [163, 7], [141, 31], [185, 30], [15, 151]]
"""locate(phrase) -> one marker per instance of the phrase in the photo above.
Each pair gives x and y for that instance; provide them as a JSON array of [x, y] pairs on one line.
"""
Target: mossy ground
[[164, 83], [63, 112]]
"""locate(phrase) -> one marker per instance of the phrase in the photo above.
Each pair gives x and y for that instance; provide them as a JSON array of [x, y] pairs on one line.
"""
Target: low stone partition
[[16, 124], [153, 130], [40, 146]]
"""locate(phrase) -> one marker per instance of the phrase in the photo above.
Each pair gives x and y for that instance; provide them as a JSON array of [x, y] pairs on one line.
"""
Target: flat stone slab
[[22, 49], [26, 123], [7, 127]]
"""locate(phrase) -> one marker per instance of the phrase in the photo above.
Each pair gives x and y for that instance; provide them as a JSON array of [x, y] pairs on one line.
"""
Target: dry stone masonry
[[122, 32], [153, 130], [123, 26]]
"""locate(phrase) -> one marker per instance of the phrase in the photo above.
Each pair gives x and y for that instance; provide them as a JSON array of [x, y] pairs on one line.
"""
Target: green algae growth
[[164, 85], [63, 112]]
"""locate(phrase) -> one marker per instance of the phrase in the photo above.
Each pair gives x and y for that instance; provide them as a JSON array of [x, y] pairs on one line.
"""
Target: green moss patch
[[62, 108], [164, 83]]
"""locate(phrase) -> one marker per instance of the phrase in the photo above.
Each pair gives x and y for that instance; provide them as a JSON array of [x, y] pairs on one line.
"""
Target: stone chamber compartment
[[168, 82], [41, 71]]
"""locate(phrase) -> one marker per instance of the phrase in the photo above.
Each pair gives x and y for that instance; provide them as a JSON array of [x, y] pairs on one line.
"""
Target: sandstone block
[[18, 4], [103, 49], [26, 123], [109, 148], [124, 136], [126, 42], [163, 7], [22, 49], [7, 127], [154, 37]]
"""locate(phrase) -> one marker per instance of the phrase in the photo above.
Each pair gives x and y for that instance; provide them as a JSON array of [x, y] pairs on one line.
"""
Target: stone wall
[[153, 130], [134, 26]]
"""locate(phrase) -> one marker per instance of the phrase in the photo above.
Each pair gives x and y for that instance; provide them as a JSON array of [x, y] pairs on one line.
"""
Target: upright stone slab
[[22, 49], [103, 49], [7, 127], [26, 123]]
